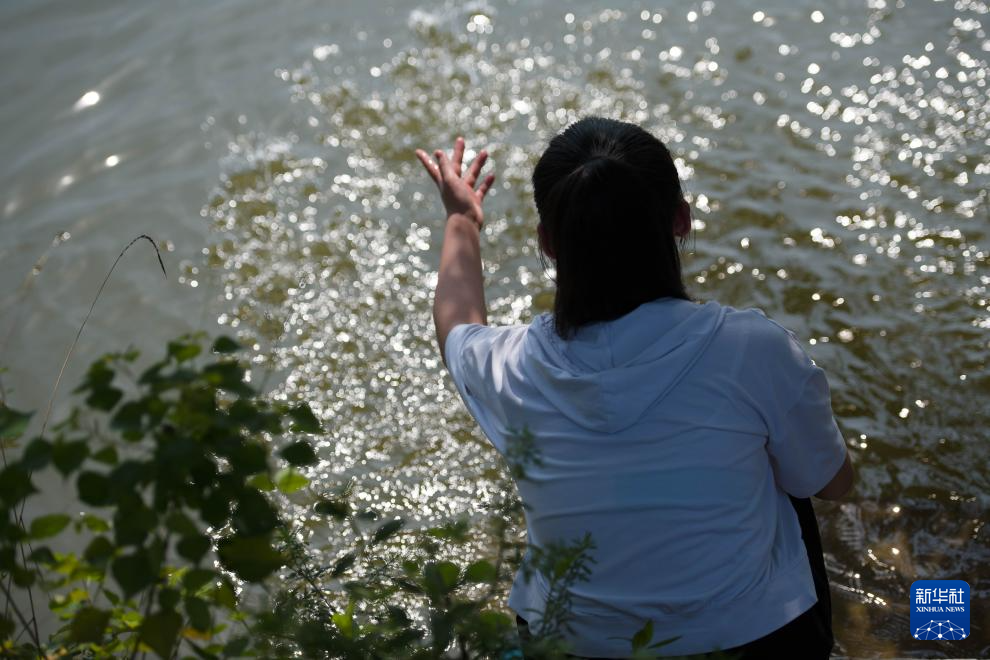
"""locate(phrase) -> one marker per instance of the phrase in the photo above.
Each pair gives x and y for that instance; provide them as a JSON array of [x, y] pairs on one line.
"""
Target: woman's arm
[[840, 484], [460, 293]]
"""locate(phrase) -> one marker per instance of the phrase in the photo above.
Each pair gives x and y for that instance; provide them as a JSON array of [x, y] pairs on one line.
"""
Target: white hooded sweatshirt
[[672, 435]]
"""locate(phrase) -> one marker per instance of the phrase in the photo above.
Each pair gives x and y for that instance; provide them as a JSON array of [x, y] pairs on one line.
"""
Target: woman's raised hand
[[458, 192]]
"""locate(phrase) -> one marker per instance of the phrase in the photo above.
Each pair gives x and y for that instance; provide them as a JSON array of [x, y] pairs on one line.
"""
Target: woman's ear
[[541, 233], [682, 219]]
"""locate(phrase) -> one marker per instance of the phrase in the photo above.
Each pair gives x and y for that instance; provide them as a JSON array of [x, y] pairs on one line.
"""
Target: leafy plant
[[188, 551]]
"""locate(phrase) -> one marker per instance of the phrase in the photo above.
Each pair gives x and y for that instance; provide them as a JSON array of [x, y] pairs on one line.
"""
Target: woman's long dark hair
[[607, 192]]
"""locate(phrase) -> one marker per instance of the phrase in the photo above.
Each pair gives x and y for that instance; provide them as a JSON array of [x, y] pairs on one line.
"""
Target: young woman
[[685, 437]]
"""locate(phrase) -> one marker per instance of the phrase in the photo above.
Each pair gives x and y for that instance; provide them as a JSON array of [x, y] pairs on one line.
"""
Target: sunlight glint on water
[[836, 159]]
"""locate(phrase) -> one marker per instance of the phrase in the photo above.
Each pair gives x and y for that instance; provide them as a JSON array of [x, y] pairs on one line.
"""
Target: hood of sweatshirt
[[611, 373]]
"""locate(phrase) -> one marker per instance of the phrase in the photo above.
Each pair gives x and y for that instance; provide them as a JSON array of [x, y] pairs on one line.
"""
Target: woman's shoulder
[[752, 320], [763, 337]]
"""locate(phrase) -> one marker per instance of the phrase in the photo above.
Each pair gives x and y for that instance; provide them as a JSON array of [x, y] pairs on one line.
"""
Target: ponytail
[[606, 192]]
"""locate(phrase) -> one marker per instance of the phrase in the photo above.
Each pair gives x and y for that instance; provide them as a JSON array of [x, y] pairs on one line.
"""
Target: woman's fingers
[[450, 167], [472, 174], [446, 171], [458, 157], [485, 185], [430, 166]]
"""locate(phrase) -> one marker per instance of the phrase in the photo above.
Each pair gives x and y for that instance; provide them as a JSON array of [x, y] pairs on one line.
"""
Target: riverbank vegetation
[[182, 468]]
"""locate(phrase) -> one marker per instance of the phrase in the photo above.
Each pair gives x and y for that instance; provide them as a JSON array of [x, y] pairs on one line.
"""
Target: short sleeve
[[805, 445], [461, 370], [476, 358], [804, 442]]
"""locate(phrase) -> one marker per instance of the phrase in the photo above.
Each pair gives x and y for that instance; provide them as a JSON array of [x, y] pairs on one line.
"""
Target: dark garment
[[809, 635]]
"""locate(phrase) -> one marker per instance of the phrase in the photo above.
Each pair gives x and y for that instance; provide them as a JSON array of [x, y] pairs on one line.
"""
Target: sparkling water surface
[[836, 157]]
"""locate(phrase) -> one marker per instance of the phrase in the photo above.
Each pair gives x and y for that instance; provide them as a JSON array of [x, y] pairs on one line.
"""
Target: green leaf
[[50, 525], [193, 547], [335, 508], [15, 484], [249, 457], [228, 375], [199, 613], [289, 481], [151, 375], [104, 398], [23, 577], [208, 653], [99, 551], [252, 558], [95, 523], [130, 355], [128, 476], [299, 453], [480, 571], [133, 520], [98, 375], [441, 628], [495, 623], [387, 530], [107, 455], [128, 418], [399, 617], [12, 423], [223, 594], [304, 419], [175, 451], [262, 481], [8, 556], [94, 489], [67, 456], [183, 351], [131, 619], [449, 572], [224, 344], [134, 572], [160, 631], [343, 564], [441, 577], [236, 647], [168, 598], [88, 625], [37, 454], [42, 555], [180, 523], [345, 620], [197, 578], [643, 637], [215, 509], [254, 515], [457, 531]]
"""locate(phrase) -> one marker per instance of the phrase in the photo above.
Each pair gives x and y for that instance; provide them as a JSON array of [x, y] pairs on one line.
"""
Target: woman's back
[[672, 432], [670, 435]]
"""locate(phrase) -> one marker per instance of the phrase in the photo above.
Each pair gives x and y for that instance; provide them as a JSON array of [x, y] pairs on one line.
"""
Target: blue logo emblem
[[939, 609]]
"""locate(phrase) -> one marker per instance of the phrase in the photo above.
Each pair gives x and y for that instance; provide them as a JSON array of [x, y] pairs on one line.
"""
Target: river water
[[836, 157]]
